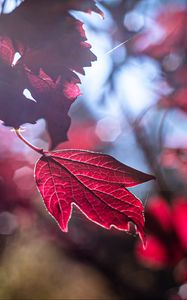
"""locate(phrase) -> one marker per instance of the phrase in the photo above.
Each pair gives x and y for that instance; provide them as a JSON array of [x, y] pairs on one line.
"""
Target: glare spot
[[183, 291], [135, 88], [23, 178], [133, 21], [17, 56], [108, 129], [172, 61], [28, 95], [10, 5], [8, 223]]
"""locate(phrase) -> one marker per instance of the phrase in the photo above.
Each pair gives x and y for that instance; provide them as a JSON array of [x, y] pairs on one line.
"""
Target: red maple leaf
[[15, 109], [95, 183], [48, 37], [51, 44]]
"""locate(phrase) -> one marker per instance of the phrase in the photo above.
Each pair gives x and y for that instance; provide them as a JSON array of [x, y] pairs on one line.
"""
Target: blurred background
[[133, 106]]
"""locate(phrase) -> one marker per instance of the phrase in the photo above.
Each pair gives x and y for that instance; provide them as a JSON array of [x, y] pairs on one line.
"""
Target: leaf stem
[[38, 150]]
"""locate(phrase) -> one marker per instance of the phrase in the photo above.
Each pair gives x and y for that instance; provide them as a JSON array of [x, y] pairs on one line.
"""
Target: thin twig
[[143, 113], [160, 130], [3, 6]]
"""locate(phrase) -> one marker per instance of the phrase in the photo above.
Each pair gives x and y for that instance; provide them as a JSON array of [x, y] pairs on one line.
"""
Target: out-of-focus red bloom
[[167, 233], [179, 220], [154, 255]]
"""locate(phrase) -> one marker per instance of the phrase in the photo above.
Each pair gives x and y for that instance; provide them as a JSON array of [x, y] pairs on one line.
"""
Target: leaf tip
[[143, 238], [149, 177]]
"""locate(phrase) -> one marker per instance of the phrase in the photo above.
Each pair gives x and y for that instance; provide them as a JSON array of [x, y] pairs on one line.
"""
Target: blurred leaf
[[164, 34]]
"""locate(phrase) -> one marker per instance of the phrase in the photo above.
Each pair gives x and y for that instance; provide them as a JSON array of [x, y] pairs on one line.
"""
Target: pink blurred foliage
[[17, 185], [164, 39], [164, 34]]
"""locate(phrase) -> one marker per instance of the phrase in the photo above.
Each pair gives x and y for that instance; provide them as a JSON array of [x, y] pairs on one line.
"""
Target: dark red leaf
[[54, 99], [48, 37], [15, 108], [52, 46], [95, 183]]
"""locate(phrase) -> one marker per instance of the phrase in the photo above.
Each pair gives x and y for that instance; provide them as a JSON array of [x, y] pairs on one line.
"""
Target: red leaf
[[52, 45], [48, 37], [95, 183]]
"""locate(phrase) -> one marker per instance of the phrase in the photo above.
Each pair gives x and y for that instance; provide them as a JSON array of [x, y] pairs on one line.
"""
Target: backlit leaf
[[52, 46], [96, 183]]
